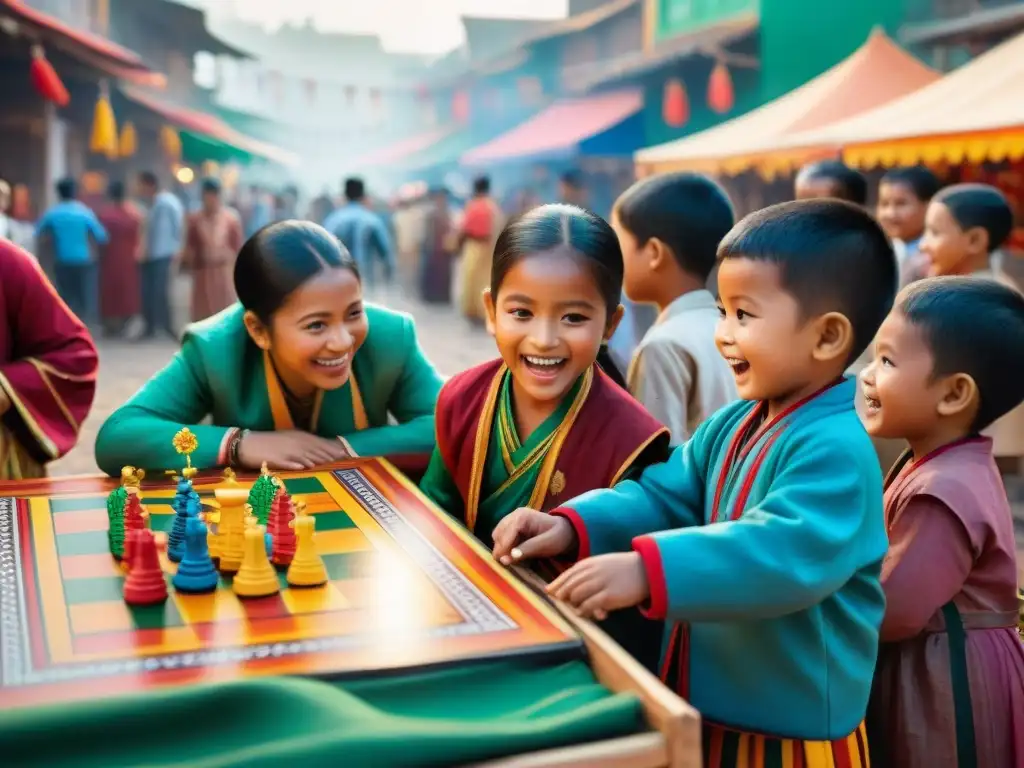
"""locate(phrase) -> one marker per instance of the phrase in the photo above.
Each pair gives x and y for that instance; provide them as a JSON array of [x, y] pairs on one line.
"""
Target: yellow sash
[[279, 406]]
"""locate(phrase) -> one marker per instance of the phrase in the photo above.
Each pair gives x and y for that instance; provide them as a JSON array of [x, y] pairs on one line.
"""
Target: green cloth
[[440, 486], [451, 716], [219, 373]]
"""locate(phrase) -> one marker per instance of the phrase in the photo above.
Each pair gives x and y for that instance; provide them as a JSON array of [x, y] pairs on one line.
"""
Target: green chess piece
[[115, 516], [261, 497]]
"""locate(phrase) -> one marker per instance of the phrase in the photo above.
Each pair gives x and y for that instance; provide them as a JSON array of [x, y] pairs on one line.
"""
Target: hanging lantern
[[46, 80], [103, 139], [127, 144], [675, 108], [170, 142], [720, 93], [460, 106]]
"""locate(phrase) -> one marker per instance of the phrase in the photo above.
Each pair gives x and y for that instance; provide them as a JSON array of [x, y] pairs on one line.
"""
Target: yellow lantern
[[128, 142], [103, 140]]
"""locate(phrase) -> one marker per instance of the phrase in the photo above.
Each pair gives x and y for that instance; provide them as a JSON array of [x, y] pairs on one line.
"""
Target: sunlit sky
[[422, 26]]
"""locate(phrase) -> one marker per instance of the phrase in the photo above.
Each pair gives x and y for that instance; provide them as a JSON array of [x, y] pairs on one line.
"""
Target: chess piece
[[261, 497], [196, 572], [132, 477], [115, 521], [145, 584], [231, 528], [256, 577], [307, 568], [182, 505], [282, 535], [134, 520], [185, 442]]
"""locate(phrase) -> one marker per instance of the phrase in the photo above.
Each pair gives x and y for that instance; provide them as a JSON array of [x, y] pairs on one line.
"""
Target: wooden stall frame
[[675, 741]]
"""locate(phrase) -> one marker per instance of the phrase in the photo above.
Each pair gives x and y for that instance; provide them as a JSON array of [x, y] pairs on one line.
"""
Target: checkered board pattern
[[408, 588]]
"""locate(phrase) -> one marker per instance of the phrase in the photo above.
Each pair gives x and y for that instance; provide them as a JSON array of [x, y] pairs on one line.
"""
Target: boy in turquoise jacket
[[760, 541]]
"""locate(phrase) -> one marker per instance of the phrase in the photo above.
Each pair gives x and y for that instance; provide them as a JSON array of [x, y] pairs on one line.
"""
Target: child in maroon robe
[[543, 422], [47, 369], [949, 685]]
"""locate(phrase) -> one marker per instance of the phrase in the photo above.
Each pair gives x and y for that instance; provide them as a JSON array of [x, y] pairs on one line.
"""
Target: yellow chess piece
[[231, 527], [230, 478], [132, 477], [307, 568], [256, 577], [211, 516]]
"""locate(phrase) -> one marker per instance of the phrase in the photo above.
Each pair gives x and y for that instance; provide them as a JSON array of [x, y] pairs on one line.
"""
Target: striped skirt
[[728, 748]]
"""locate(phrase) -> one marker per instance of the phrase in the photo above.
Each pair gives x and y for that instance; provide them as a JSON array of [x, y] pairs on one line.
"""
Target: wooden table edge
[[675, 721]]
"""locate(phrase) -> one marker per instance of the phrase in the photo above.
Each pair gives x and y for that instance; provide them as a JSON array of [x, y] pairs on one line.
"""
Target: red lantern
[[46, 80], [675, 108], [460, 107], [720, 94]]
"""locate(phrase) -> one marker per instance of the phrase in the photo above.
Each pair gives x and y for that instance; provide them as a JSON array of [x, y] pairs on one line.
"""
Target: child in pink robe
[[949, 684]]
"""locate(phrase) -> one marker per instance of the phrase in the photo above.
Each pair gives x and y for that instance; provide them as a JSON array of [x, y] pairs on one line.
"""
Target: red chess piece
[[145, 584], [133, 518], [282, 535]]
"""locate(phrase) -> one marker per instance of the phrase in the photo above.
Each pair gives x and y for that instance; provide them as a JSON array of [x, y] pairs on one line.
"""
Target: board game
[[408, 588]]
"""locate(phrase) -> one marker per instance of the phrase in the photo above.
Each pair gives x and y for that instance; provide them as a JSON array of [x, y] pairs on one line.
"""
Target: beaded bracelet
[[233, 446]]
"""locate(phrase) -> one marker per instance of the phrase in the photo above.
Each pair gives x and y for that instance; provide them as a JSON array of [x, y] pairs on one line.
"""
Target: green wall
[[800, 39], [678, 17]]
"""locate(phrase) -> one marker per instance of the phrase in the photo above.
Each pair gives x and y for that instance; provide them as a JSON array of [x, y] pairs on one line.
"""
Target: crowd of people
[[724, 504]]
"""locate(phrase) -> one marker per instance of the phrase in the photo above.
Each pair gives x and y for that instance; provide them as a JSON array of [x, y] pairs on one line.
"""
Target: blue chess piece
[[196, 573], [268, 542], [180, 505]]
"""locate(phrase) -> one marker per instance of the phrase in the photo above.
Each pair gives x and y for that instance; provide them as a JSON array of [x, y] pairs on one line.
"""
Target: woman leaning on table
[[299, 362]]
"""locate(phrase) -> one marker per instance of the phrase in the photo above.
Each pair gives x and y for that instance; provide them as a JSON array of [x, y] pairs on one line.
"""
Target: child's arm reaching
[[818, 525], [929, 559], [666, 495]]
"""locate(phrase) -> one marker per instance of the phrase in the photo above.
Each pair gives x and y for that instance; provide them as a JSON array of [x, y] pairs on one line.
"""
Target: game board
[[409, 588]]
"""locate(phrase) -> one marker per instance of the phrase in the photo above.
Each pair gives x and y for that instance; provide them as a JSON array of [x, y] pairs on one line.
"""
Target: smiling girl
[[299, 362], [543, 422]]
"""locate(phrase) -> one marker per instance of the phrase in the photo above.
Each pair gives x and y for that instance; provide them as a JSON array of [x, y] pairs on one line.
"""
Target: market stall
[[876, 73]]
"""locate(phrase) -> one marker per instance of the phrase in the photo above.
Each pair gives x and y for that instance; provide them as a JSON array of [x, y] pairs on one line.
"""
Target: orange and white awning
[[878, 72]]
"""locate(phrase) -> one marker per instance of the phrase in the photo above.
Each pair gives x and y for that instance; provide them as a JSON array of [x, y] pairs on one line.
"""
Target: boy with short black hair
[[760, 540], [831, 178], [669, 227]]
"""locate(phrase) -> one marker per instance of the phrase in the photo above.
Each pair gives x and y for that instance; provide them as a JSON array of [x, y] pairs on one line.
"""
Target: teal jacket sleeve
[[810, 534], [666, 496], [439, 486], [412, 403], [139, 433]]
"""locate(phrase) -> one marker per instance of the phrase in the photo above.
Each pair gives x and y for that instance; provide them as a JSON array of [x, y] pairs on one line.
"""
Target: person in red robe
[[119, 262], [48, 365]]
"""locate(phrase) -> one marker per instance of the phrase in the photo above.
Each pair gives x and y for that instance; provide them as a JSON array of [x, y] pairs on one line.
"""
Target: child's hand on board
[[288, 450], [601, 584], [527, 534]]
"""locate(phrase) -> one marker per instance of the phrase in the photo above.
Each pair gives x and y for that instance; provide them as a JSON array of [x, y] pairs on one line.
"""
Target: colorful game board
[[409, 588]]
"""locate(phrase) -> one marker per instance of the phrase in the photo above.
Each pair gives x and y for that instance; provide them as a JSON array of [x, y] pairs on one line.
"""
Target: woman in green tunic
[[298, 363]]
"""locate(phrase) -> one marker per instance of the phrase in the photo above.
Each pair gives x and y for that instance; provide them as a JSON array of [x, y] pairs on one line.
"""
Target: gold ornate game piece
[[557, 483], [185, 442], [132, 477]]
